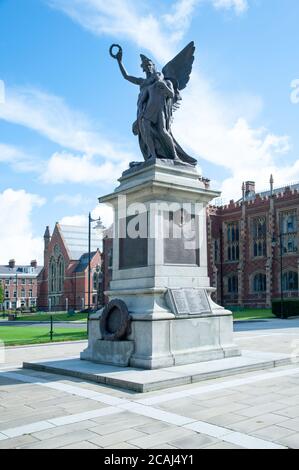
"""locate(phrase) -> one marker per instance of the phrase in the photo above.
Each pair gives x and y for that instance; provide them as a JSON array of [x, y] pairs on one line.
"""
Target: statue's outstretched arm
[[118, 56], [130, 78]]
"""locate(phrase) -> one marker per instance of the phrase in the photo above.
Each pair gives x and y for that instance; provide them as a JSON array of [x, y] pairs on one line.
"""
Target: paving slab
[[291, 441], [81, 445], [194, 442], [62, 441], [274, 433], [17, 442], [116, 438], [140, 380]]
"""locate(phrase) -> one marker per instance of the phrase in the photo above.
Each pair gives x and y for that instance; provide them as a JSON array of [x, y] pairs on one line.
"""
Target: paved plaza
[[253, 410]]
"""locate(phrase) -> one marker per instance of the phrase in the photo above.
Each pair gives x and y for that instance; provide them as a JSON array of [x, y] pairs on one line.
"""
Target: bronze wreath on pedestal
[[115, 323]]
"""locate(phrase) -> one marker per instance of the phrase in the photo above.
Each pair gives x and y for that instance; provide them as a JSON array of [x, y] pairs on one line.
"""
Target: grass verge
[[56, 317], [37, 335], [253, 314]]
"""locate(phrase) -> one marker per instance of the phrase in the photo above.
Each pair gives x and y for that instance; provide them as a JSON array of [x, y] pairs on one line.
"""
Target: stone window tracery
[[56, 275], [290, 281], [233, 284], [288, 230], [95, 281], [232, 241], [259, 229], [260, 282]]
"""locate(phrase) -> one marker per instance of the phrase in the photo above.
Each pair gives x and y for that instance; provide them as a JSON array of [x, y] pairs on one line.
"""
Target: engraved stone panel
[[180, 301], [197, 301], [180, 239], [188, 301], [133, 252]]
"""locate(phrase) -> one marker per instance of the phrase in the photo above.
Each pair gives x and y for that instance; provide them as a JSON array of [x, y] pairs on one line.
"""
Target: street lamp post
[[221, 267], [274, 244], [101, 227], [281, 276], [16, 291], [89, 258]]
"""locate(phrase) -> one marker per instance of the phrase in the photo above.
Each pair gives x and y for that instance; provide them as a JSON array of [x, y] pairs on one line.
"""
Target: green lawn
[[56, 317], [12, 336], [253, 314]]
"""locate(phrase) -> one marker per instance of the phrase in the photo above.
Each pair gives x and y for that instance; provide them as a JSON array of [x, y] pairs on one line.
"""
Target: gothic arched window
[[290, 281], [56, 275], [232, 240], [232, 284], [288, 229], [60, 272], [259, 237], [260, 283], [52, 276], [95, 281]]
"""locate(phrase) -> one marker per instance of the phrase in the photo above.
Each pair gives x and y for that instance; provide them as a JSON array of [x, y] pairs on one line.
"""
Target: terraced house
[[253, 246], [19, 285]]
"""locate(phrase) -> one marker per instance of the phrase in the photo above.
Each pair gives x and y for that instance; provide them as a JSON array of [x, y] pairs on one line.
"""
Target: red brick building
[[19, 285], [63, 282], [251, 242]]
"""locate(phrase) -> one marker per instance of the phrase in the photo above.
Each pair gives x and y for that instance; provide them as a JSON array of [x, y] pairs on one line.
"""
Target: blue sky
[[65, 125]]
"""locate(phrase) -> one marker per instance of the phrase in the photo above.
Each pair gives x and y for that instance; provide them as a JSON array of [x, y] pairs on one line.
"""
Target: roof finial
[[243, 191], [271, 184]]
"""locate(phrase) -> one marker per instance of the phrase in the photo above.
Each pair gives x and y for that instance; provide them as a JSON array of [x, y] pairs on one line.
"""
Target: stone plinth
[[150, 271], [117, 353]]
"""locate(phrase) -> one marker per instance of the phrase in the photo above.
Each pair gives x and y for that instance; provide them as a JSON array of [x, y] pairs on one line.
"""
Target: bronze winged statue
[[159, 97]]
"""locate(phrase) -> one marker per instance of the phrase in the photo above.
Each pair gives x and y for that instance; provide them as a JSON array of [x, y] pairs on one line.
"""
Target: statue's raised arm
[[118, 56]]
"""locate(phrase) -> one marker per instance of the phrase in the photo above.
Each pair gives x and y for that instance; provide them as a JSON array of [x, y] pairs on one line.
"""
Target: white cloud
[[18, 159], [96, 160], [68, 168], [240, 6], [121, 19], [71, 199], [217, 132], [75, 220], [157, 32], [104, 211], [2, 92], [16, 235], [180, 17], [50, 116]]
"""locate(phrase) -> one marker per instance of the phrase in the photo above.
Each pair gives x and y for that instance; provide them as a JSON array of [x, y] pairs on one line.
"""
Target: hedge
[[290, 308]]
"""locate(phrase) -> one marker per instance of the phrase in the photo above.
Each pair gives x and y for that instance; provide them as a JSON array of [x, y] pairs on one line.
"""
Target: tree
[[1, 295]]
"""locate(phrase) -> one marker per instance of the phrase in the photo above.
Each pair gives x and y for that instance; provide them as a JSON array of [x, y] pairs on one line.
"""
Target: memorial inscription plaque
[[180, 301], [133, 252], [180, 246], [189, 301]]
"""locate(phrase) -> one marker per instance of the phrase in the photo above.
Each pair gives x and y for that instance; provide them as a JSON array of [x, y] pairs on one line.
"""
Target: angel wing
[[179, 69]]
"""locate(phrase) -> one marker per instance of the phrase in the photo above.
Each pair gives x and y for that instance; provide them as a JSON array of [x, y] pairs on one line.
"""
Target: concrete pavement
[[252, 410]]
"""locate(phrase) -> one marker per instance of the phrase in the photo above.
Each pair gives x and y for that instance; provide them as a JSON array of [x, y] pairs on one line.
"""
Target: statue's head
[[147, 65]]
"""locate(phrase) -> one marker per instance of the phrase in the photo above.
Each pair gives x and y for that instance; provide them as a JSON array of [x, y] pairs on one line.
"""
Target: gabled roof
[[21, 270], [83, 262], [76, 240]]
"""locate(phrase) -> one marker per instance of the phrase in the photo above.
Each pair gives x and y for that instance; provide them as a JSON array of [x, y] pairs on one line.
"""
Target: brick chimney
[[249, 188], [33, 264], [12, 263]]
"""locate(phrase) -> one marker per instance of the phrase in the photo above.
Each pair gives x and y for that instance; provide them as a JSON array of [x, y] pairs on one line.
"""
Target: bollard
[[51, 330]]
